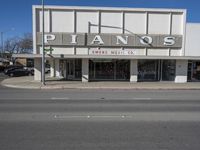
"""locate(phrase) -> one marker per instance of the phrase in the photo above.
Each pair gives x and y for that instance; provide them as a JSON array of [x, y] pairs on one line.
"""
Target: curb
[[93, 86], [51, 88], [90, 88], [19, 87]]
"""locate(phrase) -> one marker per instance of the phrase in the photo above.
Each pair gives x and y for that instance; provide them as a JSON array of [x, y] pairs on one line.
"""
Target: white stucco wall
[[46, 21], [192, 47], [57, 68], [112, 20], [62, 21], [159, 23], [133, 71], [181, 71], [139, 26], [37, 69], [85, 70], [82, 20]]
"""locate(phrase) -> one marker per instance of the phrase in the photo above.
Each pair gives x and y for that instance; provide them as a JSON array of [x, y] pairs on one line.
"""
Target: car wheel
[[29, 74], [11, 74]]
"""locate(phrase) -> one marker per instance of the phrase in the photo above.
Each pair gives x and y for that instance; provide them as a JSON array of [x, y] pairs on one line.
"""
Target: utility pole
[[2, 49], [2, 40], [43, 52]]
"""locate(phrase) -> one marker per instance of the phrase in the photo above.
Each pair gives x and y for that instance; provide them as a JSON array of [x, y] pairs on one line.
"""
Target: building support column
[[65, 70], [52, 68], [181, 71], [57, 68], [37, 69], [85, 70], [133, 70]]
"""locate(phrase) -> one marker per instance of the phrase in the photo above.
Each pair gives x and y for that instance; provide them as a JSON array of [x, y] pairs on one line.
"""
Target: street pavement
[[96, 119], [27, 82], [2, 76], [83, 125], [107, 135]]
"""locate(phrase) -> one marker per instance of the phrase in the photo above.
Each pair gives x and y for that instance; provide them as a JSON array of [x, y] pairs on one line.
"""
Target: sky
[[17, 14]]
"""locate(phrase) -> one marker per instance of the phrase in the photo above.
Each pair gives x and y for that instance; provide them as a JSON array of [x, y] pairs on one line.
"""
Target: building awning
[[64, 56]]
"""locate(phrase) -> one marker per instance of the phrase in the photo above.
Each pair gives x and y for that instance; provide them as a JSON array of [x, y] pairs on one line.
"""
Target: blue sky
[[18, 13]]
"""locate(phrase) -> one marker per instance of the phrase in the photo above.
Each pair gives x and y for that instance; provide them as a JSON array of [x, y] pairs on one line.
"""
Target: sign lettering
[[49, 37], [110, 40]]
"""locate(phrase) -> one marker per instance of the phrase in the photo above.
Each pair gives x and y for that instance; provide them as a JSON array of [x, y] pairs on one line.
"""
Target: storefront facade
[[117, 44]]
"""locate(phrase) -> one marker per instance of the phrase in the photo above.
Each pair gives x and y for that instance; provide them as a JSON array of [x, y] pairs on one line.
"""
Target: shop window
[[194, 71]]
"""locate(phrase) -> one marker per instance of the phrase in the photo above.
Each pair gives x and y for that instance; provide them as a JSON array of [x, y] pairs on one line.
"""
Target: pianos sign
[[110, 40]]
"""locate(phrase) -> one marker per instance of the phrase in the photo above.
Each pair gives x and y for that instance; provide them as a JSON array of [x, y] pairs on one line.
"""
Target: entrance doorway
[[73, 69], [109, 69], [194, 71], [168, 70], [148, 70], [156, 70]]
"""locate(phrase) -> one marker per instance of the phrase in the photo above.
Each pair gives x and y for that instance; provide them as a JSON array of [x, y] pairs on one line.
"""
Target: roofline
[[193, 23], [110, 8], [106, 56]]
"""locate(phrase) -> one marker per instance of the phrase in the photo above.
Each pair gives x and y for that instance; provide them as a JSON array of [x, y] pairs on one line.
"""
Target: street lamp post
[[43, 52], [2, 50]]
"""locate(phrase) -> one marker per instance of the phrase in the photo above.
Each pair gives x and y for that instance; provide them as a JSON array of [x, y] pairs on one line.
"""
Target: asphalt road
[[108, 135], [2, 77], [99, 119], [99, 124]]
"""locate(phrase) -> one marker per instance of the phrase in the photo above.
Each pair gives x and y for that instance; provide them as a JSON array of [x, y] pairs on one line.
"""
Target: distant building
[[28, 62], [3, 63], [129, 44]]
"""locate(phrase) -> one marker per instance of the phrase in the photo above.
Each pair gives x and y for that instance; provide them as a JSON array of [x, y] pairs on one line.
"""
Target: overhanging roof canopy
[[65, 56]]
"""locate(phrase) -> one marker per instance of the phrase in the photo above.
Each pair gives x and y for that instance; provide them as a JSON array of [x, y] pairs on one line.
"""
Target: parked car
[[47, 70], [2, 68], [11, 67], [18, 72], [31, 69]]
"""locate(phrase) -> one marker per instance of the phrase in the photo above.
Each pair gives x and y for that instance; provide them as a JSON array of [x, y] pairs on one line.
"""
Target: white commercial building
[[99, 43]]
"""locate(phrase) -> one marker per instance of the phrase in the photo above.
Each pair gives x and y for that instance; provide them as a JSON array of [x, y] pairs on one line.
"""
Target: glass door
[[168, 70], [189, 74], [104, 70], [70, 67], [148, 70], [122, 70], [109, 69], [78, 68], [73, 69], [194, 71]]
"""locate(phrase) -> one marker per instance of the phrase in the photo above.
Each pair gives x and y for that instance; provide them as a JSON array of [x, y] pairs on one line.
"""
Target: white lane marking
[[59, 98], [91, 116], [140, 98], [67, 98], [123, 98], [140, 116]]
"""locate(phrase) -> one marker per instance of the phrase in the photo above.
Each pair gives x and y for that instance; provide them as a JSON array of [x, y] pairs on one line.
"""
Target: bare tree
[[19, 45], [26, 44], [12, 45]]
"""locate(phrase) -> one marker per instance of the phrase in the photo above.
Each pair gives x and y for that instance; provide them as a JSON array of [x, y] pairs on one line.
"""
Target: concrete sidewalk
[[55, 83], [27, 82]]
